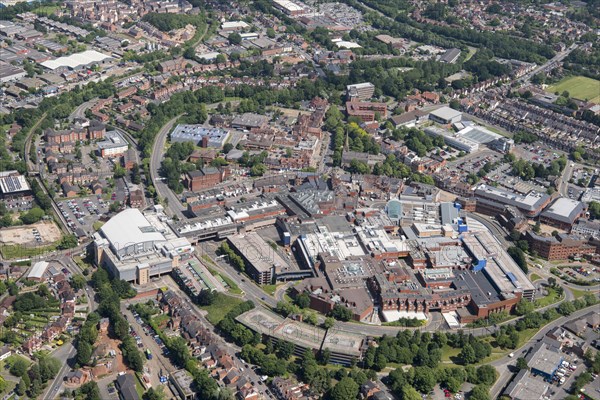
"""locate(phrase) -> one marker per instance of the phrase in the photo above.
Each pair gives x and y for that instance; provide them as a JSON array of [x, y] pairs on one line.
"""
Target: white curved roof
[[129, 227], [75, 60]]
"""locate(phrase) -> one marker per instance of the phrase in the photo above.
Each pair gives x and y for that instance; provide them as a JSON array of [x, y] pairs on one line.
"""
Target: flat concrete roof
[[564, 210]]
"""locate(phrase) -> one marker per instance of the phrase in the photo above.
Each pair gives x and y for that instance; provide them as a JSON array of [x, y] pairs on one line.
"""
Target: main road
[[173, 205]]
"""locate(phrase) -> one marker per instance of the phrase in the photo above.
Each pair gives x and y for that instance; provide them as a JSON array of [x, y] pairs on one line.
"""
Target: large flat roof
[[257, 251], [129, 227], [531, 201], [446, 113], [564, 210], [76, 60]]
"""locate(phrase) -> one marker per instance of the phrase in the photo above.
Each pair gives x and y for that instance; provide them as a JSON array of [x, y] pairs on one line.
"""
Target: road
[[503, 363], [173, 206], [563, 184], [79, 112], [550, 64], [231, 348]]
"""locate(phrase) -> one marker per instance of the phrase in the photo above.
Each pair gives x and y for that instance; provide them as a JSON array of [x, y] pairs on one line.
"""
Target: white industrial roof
[[446, 113], [288, 5], [75, 60], [234, 24], [38, 270], [564, 209], [128, 227]]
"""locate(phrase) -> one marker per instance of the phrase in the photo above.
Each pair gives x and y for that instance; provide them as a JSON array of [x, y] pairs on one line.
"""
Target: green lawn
[[577, 293], [551, 298], [232, 286], [269, 289], [161, 319], [535, 277], [221, 306], [579, 87], [15, 251]]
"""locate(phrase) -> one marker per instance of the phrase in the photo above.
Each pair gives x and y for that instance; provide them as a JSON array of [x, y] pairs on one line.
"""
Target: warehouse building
[[9, 73], [13, 184], [453, 139], [445, 116], [544, 360], [77, 61]]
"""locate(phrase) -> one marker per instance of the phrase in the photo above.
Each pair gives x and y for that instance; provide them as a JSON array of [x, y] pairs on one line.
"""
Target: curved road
[[173, 203]]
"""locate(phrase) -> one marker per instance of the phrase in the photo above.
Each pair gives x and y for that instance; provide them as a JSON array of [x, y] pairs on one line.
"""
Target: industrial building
[[526, 387], [76, 61], [9, 72], [37, 271], [544, 360], [13, 185], [450, 56], [290, 8], [445, 116], [200, 135], [135, 249]]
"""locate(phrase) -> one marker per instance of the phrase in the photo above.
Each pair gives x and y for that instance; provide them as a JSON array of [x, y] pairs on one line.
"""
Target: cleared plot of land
[[579, 87], [23, 235]]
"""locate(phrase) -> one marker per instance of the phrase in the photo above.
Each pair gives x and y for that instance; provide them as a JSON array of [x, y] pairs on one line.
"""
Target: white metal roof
[[130, 226], [75, 60], [38, 270]]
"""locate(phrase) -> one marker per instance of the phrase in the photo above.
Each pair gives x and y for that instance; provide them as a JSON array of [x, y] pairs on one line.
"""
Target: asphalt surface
[[174, 206]]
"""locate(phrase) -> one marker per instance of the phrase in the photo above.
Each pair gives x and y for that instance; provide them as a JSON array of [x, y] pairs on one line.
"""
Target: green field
[[579, 87], [220, 307]]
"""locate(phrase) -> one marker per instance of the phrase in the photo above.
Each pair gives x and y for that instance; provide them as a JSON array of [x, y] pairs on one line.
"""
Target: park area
[[579, 87]]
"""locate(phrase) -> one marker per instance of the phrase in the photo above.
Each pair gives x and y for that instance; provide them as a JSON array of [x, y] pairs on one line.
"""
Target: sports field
[[579, 87]]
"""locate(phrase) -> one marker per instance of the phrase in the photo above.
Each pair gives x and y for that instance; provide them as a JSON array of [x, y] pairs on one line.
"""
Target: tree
[[302, 300], [424, 380], [227, 147], [68, 242], [284, 349], [154, 394], [206, 298], [519, 257], [521, 363], [19, 367], [345, 389], [480, 392], [524, 307], [341, 313], [487, 375], [566, 308], [234, 38], [380, 361], [467, 354], [409, 393], [78, 281], [84, 352], [271, 33], [32, 216], [114, 206]]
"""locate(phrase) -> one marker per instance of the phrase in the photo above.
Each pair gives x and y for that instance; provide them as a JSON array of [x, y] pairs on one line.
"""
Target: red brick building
[[205, 178]]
